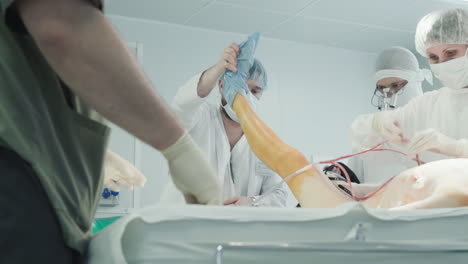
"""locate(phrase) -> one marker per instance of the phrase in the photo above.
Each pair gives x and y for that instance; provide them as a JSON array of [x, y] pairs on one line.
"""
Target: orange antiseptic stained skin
[[443, 184], [285, 160]]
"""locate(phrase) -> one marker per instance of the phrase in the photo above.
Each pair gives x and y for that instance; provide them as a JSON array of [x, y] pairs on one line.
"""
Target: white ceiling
[[365, 25]]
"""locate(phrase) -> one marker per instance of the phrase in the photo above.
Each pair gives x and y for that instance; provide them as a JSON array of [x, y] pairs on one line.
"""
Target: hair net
[[396, 58], [446, 26], [257, 73], [401, 63]]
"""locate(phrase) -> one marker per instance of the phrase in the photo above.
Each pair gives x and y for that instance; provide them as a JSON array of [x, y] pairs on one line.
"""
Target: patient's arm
[[84, 49]]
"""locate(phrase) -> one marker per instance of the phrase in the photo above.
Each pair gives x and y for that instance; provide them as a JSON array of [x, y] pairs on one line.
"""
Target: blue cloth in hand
[[234, 82]]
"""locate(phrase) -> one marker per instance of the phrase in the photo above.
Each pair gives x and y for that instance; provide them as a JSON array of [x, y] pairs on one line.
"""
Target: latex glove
[[234, 82], [386, 125], [432, 140], [191, 172], [241, 201], [118, 170]]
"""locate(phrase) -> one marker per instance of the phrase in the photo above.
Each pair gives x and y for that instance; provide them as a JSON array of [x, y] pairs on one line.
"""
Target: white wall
[[314, 91]]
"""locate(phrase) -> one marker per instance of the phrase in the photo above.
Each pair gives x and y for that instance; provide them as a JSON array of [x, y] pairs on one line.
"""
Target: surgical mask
[[251, 99], [453, 73]]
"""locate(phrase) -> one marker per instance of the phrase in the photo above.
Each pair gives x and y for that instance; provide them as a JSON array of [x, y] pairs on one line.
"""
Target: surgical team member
[[398, 80], [216, 129], [59, 59], [435, 122]]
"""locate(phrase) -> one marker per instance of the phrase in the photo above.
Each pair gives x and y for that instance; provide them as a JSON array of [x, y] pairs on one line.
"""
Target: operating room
[[313, 158], [319, 57]]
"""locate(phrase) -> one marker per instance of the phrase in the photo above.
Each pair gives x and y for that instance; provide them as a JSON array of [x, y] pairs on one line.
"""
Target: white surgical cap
[[446, 26], [257, 73], [396, 58], [402, 63]]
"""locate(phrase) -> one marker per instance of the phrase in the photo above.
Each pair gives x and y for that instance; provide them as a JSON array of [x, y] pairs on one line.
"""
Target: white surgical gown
[[375, 167], [445, 110], [239, 171]]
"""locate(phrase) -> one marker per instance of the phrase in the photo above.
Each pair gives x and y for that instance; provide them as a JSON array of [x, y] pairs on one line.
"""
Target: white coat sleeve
[[418, 116], [272, 194], [362, 136], [187, 105], [412, 117]]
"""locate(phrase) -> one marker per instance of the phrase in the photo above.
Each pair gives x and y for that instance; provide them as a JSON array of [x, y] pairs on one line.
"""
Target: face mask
[[230, 112], [251, 99], [453, 73]]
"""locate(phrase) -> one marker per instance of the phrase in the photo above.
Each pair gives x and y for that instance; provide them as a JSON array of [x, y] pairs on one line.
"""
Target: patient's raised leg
[[309, 187]]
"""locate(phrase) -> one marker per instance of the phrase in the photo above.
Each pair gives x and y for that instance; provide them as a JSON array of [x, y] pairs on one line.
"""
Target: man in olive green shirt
[[59, 60]]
